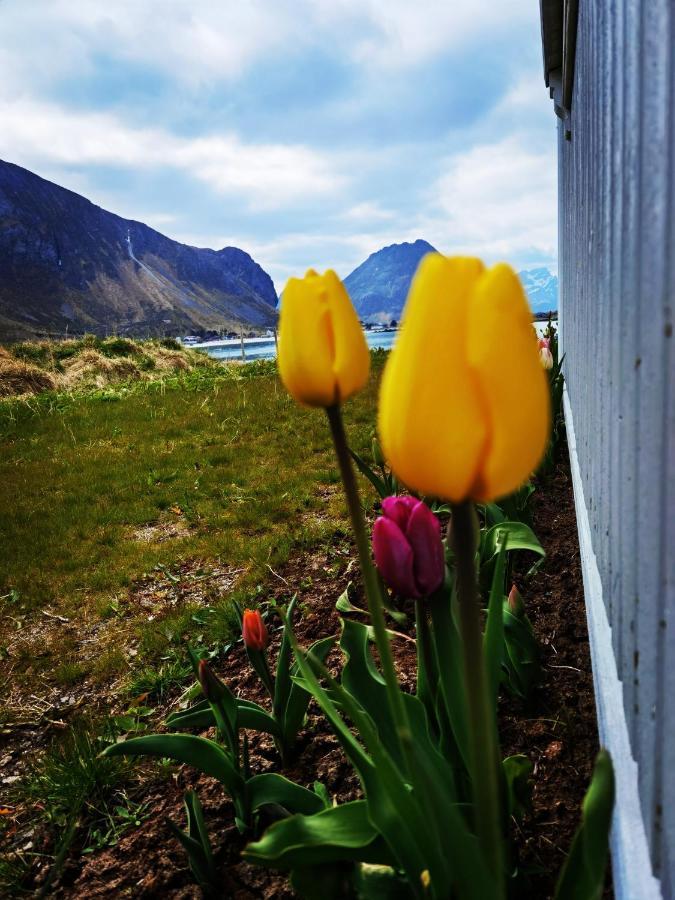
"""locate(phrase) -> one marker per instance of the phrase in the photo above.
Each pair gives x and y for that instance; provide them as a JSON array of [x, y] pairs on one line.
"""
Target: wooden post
[[276, 343], [243, 349]]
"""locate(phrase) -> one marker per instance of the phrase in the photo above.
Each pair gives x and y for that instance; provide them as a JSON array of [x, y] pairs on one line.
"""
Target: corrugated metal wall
[[617, 267]]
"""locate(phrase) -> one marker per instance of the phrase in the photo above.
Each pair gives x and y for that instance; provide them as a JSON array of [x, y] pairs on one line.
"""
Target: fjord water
[[264, 348]]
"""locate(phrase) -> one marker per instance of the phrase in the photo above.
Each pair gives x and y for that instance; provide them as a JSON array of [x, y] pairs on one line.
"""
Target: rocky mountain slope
[[379, 286], [66, 264], [542, 288]]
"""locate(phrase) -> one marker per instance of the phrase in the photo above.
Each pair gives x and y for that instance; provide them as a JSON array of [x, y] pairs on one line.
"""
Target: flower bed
[[557, 729], [433, 797]]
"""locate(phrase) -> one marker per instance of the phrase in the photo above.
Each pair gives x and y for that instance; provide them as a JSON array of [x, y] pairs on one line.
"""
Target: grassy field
[[131, 517]]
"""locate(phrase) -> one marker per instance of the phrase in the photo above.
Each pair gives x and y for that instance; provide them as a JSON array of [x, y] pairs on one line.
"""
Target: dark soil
[[556, 730]]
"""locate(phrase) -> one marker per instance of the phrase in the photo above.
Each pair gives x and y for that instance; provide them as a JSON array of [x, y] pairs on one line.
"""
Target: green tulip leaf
[[493, 640], [197, 845], [583, 874], [519, 536], [299, 695], [339, 833], [199, 752], [282, 682], [271, 788], [517, 774], [200, 717]]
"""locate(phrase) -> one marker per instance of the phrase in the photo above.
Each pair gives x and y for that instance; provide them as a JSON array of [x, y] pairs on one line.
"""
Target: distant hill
[[68, 264], [379, 286]]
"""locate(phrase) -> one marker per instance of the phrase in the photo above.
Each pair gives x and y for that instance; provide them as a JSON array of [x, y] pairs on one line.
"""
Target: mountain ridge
[[379, 286], [68, 264]]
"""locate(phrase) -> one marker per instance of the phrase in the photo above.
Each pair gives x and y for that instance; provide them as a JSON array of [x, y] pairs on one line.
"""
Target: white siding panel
[[617, 269]]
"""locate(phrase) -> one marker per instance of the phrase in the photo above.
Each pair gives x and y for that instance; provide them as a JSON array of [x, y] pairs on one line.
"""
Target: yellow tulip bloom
[[323, 355], [464, 403]]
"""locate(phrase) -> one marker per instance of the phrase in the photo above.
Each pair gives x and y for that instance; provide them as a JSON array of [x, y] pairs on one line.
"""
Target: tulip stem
[[482, 728], [371, 581]]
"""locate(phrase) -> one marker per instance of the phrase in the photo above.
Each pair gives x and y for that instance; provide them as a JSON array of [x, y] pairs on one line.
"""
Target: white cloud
[[367, 212], [198, 41], [268, 176], [406, 33], [498, 201]]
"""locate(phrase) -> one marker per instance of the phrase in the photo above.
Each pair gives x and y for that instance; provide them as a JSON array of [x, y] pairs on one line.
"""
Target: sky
[[310, 133]]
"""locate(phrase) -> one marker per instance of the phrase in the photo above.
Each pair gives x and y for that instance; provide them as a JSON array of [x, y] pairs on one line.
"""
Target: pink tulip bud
[[254, 631], [544, 342], [408, 548], [516, 604], [546, 358]]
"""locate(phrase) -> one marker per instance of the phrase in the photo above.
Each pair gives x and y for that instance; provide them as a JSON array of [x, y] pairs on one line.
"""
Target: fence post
[[243, 349]]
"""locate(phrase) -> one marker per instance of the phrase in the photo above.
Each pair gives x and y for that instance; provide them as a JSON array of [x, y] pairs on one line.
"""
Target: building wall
[[617, 271]]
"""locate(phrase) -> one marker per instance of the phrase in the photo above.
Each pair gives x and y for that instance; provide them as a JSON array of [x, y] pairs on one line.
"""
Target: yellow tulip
[[464, 403], [323, 355]]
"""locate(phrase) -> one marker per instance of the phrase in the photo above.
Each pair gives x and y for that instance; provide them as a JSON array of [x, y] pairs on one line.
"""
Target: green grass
[[225, 454], [79, 797]]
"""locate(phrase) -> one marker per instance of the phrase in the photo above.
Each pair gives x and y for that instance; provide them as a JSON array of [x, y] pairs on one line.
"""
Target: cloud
[[497, 200], [367, 211], [268, 176], [197, 41]]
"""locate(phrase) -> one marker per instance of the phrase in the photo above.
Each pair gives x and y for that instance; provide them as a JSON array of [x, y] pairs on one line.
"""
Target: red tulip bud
[[408, 548], [210, 683], [254, 630], [516, 604]]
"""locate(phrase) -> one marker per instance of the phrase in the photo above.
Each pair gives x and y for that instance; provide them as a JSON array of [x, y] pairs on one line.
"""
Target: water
[[264, 348]]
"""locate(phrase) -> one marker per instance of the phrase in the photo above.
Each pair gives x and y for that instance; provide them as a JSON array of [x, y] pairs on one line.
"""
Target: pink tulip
[[544, 342], [546, 358], [408, 548]]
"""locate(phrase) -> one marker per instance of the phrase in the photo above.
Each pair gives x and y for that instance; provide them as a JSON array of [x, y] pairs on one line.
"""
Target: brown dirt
[[557, 730]]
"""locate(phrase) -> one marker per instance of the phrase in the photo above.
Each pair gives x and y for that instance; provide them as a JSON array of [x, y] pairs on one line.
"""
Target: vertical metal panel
[[617, 267]]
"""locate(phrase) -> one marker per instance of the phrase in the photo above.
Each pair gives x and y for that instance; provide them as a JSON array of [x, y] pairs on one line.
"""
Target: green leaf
[[282, 683], [197, 845], [448, 652], [336, 834], [299, 696], [518, 536], [391, 807], [203, 754], [275, 789], [522, 656], [224, 706], [200, 716], [377, 482], [493, 639], [583, 874], [517, 774], [344, 604], [196, 825], [199, 865]]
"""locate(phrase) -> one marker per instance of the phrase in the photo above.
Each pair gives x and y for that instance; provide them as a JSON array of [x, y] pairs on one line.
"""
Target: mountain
[[66, 264], [379, 286], [541, 286]]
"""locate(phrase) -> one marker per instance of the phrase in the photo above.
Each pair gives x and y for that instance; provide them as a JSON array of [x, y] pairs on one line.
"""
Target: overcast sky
[[307, 133]]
